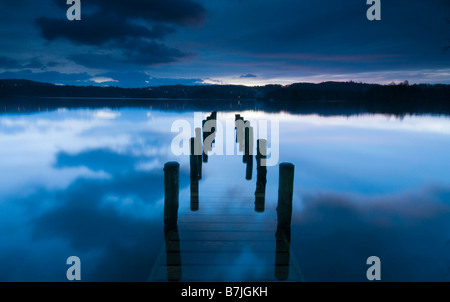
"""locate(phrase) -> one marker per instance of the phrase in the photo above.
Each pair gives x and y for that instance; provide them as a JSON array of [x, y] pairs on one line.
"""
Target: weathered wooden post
[[240, 133], [261, 154], [249, 168], [198, 150], [246, 143], [205, 148], [236, 119], [249, 152], [212, 121], [261, 175], [208, 120], [171, 192], [193, 160], [211, 124], [285, 192]]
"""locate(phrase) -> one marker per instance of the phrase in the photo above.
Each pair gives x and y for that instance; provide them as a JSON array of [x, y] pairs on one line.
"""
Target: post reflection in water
[[171, 204], [205, 149], [283, 252], [248, 152], [261, 175], [56, 159], [196, 167], [173, 254], [195, 205], [284, 217], [198, 150]]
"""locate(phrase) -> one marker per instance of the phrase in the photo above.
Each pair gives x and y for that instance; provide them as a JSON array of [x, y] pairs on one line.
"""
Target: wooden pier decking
[[225, 240]]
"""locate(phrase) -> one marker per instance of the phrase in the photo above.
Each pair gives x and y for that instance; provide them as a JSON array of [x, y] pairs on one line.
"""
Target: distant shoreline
[[324, 98]]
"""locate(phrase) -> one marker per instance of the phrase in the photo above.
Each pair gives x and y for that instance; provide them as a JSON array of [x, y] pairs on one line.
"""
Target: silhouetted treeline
[[392, 99], [324, 98], [25, 88]]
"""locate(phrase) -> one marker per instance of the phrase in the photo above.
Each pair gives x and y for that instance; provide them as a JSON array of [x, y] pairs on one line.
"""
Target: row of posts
[[285, 192], [245, 140], [284, 214], [199, 154]]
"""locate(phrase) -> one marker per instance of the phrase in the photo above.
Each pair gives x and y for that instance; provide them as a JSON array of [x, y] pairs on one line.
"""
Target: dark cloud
[[248, 75], [148, 52], [181, 12], [99, 29], [185, 12], [133, 30], [322, 37], [33, 63], [47, 76], [129, 52], [8, 63]]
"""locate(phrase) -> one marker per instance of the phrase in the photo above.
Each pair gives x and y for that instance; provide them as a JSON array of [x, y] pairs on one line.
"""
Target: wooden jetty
[[228, 238]]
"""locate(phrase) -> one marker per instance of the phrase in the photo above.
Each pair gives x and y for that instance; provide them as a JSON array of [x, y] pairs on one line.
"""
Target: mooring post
[[193, 160], [171, 192], [261, 152], [205, 148], [240, 124], [212, 125], [198, 150], [285, 192], [236, 119], [249, 168], [246, 144], [214, 119]]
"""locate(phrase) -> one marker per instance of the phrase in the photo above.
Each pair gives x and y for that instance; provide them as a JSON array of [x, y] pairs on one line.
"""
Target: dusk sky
[[137, 43]]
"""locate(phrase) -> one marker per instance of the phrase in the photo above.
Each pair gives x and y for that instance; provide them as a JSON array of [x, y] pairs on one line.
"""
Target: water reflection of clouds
[[34, 141], [409, 232], [112, 224], [90, 183], [78, 183], [416, 123], [343, 158]]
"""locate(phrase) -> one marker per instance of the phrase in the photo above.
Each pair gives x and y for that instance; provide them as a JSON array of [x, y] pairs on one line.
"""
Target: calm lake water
[[89, 183]]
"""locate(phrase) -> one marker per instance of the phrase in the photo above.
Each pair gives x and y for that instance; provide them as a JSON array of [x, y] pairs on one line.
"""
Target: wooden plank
[[223, 246], [230, 227], [227, 236], [225, 219], [225, 273], [230, 258]]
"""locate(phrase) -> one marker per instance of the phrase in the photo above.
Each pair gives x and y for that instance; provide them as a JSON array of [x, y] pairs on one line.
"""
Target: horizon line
[[405, 82]]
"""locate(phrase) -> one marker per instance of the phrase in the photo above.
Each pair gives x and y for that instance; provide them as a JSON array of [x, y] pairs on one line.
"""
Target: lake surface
[[90, 183]]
